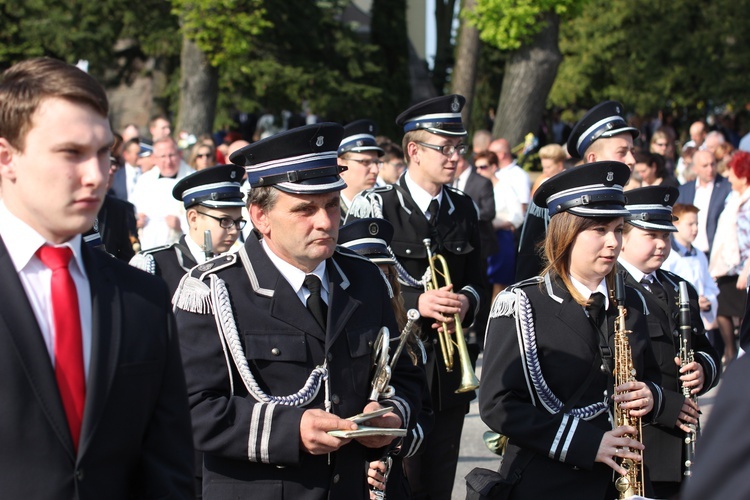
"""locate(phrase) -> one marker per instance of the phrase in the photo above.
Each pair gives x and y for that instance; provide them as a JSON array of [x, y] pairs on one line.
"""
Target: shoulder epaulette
[[381, 189], [193, 294], [144, 262], [505, 302], [456, 191]]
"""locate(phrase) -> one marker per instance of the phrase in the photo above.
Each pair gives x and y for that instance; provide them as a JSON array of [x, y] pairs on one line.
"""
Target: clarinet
[[687, 356], [208, 245]]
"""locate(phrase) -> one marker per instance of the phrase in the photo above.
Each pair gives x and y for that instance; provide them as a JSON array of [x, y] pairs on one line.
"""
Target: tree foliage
[[656, 54], [509, 24]]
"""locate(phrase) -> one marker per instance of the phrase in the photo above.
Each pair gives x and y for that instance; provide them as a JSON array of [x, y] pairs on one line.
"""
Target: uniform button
[[603, 368], [329, 357], [370, 344], [458, 249], [335, 399], [336, 479], [275, 351], [408, 251], [79, 474]]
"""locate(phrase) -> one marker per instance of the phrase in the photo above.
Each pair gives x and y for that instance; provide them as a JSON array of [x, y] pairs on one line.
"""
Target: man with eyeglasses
[[421, 206], [213, 202], [159, 215], [360, 154]]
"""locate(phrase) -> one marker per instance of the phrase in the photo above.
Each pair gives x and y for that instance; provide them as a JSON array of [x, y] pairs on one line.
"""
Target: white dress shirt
[[702, 200], [22, 242], [421, 197]]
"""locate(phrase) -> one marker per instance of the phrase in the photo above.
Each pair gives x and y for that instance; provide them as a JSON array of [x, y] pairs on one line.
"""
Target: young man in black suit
[[93, 389]]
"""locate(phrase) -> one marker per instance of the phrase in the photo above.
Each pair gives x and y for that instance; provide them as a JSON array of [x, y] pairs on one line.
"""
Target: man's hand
[[313, 432], [441, 305], [387, 421]]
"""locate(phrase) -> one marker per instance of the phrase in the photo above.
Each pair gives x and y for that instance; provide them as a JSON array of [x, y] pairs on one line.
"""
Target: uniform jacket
[[251, 449], [564, 445], [135, 440], [529, 262], [456, 238], [117, 227], [171, 262], [721, 190], [664, 441]]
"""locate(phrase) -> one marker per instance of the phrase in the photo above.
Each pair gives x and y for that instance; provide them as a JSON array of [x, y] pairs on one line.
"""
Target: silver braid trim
[[551, 403], [228, 333], [375, 209]]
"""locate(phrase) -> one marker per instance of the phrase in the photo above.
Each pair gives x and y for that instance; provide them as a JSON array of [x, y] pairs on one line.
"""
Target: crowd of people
[[300, 316]]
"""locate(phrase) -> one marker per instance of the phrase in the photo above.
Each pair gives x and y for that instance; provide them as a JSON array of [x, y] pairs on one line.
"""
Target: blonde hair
[[553, 152]]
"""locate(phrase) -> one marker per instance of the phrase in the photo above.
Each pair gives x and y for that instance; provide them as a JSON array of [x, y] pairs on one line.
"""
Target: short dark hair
[[24, 86]]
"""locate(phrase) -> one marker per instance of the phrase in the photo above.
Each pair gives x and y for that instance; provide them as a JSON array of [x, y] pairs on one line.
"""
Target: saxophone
[[631, 483], [686, 356]]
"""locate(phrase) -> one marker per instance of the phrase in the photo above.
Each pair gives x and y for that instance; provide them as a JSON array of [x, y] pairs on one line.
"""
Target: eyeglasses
[[203, 155], [227, 222], [368, 163], [447, 149], [482, 166]]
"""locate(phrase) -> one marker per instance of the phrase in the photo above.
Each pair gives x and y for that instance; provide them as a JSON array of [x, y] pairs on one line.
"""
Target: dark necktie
[[433, 210], [655, 288], [596, 310], [69, 371], [315, 302]]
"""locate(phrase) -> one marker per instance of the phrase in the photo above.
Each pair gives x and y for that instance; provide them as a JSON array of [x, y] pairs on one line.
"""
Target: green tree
[[686, 54], [529, 32]]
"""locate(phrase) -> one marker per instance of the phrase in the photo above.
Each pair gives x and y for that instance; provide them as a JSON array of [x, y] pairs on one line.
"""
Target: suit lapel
[[106, 333], [570, 314], [19, 326], [341, 304]]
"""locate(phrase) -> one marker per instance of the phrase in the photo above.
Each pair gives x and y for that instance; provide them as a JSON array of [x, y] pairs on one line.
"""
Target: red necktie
[[68, 338]]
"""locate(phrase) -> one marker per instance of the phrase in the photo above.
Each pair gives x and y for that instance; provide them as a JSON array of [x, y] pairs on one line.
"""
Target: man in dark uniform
[[646, 245], [421, 207], [213, 203], [360, 154], [277, 338], [601, 135]]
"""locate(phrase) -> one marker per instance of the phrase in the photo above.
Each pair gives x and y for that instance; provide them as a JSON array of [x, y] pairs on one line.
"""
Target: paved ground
[[475, 454]]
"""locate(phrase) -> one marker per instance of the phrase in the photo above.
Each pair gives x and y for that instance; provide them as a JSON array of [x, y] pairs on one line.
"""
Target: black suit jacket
[[480, 190], [721, 190], [135, 439], [251, 448], [664, 441]]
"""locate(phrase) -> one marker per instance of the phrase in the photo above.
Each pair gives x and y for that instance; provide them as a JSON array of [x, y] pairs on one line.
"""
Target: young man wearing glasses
[[360, 154], [420, 206], [213, 202]]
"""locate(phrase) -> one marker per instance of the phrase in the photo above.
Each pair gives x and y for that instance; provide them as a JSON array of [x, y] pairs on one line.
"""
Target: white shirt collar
[[199, 256], [296, 276], [421, 197], [636, 273], [22, 241], [584, 290]]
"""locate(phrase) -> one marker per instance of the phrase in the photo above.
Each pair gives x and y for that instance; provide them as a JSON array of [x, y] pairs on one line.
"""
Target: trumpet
[[469, 380]]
